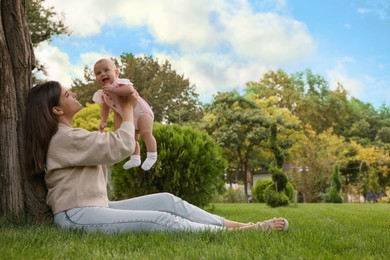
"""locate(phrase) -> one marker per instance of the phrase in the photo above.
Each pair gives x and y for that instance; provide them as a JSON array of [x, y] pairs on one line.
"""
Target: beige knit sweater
[[76, 174]]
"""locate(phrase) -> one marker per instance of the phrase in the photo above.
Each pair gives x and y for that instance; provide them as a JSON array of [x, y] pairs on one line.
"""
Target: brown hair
[[40, 123]]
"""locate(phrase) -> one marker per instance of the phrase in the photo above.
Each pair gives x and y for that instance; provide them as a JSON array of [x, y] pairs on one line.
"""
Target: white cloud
[[361, 10], [57, 64], [59, 67], [268, 36], [338, 74], [193, 25], [222, 74], [220, 45], [347, 26]]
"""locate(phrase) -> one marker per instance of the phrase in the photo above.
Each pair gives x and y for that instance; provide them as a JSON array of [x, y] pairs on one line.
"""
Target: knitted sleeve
[[71, 147]]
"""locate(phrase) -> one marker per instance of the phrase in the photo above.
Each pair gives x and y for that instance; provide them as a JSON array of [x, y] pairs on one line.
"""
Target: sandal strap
[[268, 225]]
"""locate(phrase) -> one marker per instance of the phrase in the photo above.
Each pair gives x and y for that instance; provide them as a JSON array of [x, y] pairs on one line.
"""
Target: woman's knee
[[168, 196]]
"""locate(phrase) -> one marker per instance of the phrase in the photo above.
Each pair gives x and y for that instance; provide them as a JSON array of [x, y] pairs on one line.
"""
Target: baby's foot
[[149, 161], [135, 161]]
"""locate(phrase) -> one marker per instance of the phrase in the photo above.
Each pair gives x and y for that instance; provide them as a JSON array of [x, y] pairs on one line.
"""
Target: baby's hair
[[110, 61], [107, 60]]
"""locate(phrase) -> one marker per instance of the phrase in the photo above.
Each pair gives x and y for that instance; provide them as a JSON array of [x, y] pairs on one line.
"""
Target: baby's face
[[105, 72]]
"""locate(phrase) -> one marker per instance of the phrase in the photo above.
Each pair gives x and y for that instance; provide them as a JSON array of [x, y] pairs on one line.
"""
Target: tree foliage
[[333, 192], [89, 118], [172, 98], [238, 126], [279, 85], [43, 22], [189, 165], [313, 159]]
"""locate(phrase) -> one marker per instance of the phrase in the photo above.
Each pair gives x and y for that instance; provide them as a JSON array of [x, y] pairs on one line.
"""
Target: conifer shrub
[[259, 188], [333, 193], [274, 198], [276, 191]]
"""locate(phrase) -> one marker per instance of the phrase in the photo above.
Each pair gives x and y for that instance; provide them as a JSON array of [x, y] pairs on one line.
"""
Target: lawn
[[317, 231]]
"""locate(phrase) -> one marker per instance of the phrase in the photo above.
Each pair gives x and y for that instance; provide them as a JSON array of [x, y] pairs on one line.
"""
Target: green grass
[[317, 231]]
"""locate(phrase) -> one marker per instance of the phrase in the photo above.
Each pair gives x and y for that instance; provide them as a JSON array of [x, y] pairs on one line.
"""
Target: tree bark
[[20, 194]]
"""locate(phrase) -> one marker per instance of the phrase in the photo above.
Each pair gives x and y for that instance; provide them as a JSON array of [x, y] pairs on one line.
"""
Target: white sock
[[135, 161], [151, 158]]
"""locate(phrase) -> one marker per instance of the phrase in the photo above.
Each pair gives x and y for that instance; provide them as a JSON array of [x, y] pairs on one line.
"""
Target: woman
[[74, 161]]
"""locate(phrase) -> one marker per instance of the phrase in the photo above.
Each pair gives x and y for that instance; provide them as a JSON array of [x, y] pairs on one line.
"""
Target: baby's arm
[[120, 90], [104, 112]]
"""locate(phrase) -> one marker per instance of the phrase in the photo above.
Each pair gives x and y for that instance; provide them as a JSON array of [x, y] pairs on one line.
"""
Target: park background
[[315, 132]]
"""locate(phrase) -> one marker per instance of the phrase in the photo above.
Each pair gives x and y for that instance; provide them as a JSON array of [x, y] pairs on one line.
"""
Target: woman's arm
[[71, 147]]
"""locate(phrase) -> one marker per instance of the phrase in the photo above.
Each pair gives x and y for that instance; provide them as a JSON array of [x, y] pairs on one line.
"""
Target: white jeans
[[155, 212]]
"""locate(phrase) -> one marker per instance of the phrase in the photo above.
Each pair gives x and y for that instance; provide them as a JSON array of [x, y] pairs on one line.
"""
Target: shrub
[[279, 178], [290, 191], [333, 193], [275, 195], [261, 186], [233, 195], [275, 199], [189, 165], [258, 189], [333, 196]]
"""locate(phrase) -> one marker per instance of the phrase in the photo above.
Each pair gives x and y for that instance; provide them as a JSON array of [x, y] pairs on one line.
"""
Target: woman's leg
[[166, 202], [109, 220]]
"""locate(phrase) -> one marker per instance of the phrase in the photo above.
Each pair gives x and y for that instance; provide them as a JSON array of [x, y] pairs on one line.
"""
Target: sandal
[[268, 225]]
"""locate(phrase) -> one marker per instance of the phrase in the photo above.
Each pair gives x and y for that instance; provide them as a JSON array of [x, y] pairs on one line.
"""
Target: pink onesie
[[141, 107]]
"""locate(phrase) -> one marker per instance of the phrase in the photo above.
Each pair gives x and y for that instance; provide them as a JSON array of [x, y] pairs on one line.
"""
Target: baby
[[107, 75]]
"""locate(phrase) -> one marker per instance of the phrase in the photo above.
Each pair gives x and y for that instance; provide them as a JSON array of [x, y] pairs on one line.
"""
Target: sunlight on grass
[[326, 231]]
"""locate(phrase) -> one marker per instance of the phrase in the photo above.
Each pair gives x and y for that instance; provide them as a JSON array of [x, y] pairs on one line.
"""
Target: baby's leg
[[137, 149], [135, 159], [145, 126]]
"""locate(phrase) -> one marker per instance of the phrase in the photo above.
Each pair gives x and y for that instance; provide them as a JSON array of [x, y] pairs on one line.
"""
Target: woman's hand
[[127, 103]]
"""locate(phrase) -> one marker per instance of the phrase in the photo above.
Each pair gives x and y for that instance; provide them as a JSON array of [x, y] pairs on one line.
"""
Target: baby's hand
[[102, 126], [107, 87]]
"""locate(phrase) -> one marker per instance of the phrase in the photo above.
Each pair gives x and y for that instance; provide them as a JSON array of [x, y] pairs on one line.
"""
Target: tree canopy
[[172, 98]]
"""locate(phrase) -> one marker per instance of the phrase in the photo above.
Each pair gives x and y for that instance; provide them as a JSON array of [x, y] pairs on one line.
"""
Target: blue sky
[[221, 45]]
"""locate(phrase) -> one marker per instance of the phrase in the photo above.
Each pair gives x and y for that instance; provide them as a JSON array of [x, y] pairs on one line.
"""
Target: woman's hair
[[40, 123]]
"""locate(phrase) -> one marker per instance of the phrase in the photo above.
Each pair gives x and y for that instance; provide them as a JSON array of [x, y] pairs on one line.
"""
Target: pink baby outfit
[[140, 108]]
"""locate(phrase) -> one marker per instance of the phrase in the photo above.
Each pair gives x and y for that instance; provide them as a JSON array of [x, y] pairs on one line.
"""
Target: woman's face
[[68, 103]]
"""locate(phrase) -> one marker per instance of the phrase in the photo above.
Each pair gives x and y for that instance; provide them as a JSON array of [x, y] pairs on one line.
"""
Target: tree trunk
[[20, 194]]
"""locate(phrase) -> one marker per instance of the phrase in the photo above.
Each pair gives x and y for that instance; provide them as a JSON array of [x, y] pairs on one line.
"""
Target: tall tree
[[238, 126], [320, 107], [170, 95], [276, 84], [18, 193], [314, 159]]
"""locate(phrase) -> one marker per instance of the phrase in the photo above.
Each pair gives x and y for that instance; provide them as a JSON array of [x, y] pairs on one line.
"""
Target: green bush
[[278, 177], [262, 185], [275, 199], [333, 193], [233, 196], [189, 165], [333, 196], [258, 189], [289, 191]]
